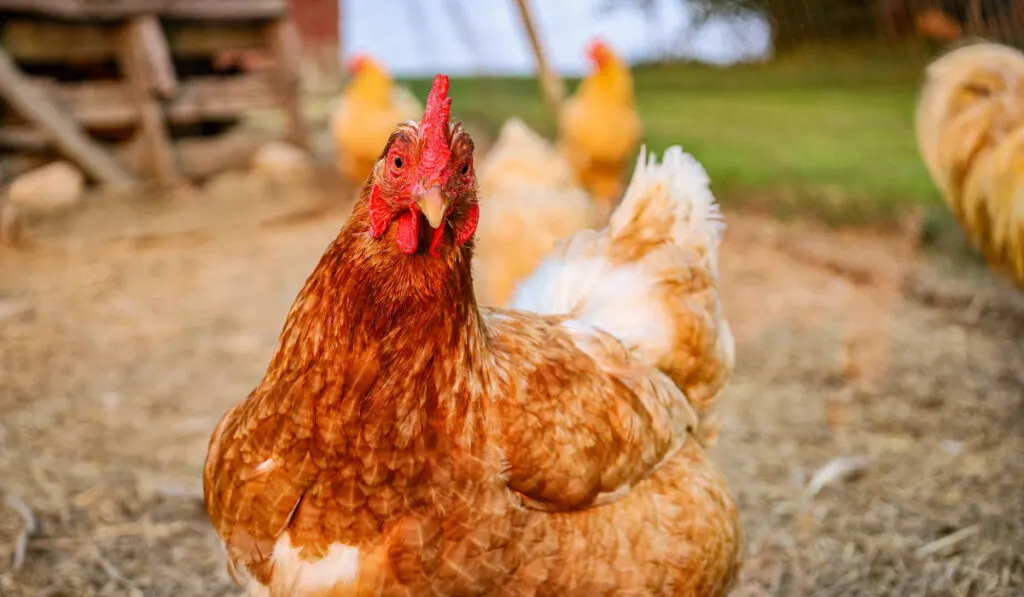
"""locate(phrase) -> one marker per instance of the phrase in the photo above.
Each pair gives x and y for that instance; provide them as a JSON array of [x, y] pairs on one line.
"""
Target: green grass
[[826, 133]]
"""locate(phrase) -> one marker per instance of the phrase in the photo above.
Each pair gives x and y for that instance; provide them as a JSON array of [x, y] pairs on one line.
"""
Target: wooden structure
[[142, 89], [551, 85], [319, 26]]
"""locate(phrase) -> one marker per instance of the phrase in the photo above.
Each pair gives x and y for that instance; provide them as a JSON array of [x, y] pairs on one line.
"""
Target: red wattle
[[380, 215], [469, 223], [408, 236], [437, 240]]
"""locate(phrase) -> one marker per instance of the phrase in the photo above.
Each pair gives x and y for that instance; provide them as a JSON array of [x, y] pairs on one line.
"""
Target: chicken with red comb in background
[[599, 127], [366, 114], [405, 441]]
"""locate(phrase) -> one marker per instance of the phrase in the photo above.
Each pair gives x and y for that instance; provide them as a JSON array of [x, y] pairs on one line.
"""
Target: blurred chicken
[[366, 115], [599, 127], [530, 200], [970, 131]]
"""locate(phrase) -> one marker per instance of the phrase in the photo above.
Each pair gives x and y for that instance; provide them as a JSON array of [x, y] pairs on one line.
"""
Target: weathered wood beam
[[34, 106], [119, 9], [156, 55], [551, 84], [196, 157], [108, 104], [342, 22], [283, 40], [35, 40], [146, 63], [23, 138], [203, 157]]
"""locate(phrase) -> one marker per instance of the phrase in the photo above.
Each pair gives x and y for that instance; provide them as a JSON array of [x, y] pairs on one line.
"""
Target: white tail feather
[[677, 188], [678, 185], [581, 278]]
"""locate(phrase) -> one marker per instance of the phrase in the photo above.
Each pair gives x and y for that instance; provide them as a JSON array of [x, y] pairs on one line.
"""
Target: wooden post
[[34, 105], [975, 21], [283, 40], [551, 84], [146, 62], [340, 50]]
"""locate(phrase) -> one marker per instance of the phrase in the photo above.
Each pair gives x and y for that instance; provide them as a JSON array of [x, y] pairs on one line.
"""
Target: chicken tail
[[669, 201], [970, 133], [650, 278]]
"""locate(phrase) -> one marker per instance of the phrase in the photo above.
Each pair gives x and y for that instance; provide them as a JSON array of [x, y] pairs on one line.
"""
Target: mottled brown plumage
[[405, 442]]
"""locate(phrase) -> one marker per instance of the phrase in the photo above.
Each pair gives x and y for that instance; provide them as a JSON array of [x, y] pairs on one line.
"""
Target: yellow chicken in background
[[529, 200], [366, 114], [970, 132], [599, 127]]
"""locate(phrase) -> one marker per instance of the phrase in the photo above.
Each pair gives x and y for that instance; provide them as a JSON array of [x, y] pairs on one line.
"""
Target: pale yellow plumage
[[365, 117], [600, 129], [970, 131], [529, 200]]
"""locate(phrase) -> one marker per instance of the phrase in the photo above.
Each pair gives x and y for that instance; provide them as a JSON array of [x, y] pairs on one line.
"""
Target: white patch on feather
[[339, 566], [265, 466], [619, 300], [616, 301]]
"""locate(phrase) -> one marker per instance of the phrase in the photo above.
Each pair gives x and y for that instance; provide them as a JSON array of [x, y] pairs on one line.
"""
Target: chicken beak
[[433, 205]]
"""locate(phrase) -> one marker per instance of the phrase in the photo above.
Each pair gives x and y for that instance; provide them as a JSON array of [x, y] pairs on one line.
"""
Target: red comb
[[356, 62], [434, 125]]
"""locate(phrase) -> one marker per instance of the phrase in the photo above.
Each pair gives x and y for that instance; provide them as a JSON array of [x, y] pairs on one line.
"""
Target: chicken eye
[[398, 163], [465, 169]]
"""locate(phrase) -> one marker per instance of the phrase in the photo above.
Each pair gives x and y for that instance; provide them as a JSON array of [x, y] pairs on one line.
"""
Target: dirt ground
[[129, 327]]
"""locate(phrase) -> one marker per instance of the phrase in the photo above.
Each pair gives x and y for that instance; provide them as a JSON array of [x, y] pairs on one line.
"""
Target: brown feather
[[399, 420]]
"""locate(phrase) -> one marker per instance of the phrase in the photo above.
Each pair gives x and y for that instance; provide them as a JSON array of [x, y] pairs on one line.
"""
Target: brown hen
[[406, 442]]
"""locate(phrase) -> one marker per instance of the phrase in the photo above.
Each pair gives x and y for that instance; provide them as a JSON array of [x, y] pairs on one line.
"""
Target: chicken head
[[425, 175]]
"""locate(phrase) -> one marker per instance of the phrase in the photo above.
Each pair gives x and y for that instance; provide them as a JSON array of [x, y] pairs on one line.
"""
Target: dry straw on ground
[[126, 331]]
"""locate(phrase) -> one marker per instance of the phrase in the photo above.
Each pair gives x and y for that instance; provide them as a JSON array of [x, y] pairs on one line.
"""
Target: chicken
[[936, 24], [599, 127], [970, 132], [365, 116], [530, 200], [405, 441]]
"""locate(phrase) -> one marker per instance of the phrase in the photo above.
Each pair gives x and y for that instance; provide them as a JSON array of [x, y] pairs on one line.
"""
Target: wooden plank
[[83, 9], [156, 57], [196, 157], [119, 9], [203, 157], [35, 40], [148, 71], [190, 39], [23, 138], [283, 40], [225, 9], [550, 83], [34, 105], [108, 104], [221, 98], [95, 105], [340, 57]]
